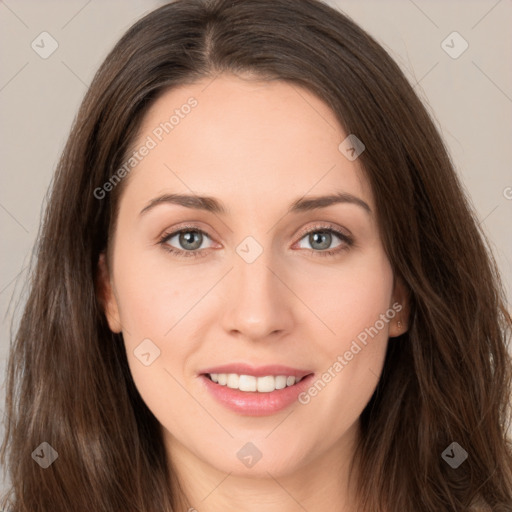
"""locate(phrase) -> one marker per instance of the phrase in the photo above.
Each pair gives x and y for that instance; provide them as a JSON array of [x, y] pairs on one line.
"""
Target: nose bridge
[[258, 302], [254, 277]]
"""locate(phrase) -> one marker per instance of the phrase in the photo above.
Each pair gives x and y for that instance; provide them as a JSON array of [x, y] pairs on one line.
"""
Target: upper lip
[[257, 371]]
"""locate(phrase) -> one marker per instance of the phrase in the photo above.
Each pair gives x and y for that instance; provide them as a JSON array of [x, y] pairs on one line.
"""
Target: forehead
[[245, 141]]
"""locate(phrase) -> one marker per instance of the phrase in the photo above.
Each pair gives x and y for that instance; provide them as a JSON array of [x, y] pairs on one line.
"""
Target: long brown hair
[[448, 379]]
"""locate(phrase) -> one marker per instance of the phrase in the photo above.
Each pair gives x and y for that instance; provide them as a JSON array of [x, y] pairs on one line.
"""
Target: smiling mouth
[[251, 383]]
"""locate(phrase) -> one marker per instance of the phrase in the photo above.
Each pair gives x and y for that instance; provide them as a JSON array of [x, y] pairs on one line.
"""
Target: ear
[[400, 304], [106, 296]]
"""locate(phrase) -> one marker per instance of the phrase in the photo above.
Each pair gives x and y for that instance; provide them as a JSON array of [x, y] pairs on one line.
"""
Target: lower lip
[[251, 403]]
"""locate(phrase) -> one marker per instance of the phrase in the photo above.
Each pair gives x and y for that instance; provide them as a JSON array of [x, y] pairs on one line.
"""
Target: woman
[[183, 349]]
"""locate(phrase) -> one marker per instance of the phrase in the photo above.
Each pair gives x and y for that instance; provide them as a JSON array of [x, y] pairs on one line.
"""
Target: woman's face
[[257, 284]]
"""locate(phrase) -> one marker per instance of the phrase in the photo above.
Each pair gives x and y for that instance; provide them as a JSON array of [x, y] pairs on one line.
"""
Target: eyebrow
[[210, 204]]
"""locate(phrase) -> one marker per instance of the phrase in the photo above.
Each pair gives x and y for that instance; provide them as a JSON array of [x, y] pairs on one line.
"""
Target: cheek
[[349, 300], [357, 309], [154, 296], [160, 311], [156, 307]]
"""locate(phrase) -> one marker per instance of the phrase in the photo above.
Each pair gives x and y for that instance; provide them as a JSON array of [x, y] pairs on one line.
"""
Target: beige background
[[470, 98]]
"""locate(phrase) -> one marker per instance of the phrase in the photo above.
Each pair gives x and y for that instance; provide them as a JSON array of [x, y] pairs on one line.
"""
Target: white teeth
[[280, 382], [233, 379], [265, 384], [247, 383]]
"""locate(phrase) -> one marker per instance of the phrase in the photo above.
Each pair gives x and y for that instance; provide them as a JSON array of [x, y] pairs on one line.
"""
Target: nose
[[259, 303]]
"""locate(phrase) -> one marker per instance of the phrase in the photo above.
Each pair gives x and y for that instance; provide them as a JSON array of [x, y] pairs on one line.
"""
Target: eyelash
[[348, 242]]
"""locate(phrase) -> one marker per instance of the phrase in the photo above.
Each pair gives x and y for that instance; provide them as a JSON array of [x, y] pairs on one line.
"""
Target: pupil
[[188, 237], [320, 234]]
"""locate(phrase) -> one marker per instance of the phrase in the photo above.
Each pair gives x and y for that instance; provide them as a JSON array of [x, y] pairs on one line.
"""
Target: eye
[[188, 237], [190, 240], [320, 239]]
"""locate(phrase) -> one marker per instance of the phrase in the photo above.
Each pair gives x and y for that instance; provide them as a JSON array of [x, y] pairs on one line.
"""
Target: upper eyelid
[[326, 226]]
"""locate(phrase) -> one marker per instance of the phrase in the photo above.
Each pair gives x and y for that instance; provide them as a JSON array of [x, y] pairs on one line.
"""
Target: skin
[[256, 146]]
